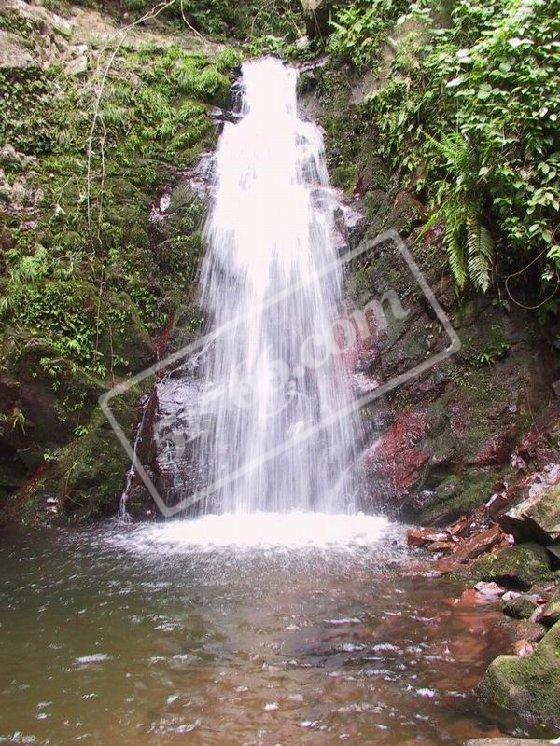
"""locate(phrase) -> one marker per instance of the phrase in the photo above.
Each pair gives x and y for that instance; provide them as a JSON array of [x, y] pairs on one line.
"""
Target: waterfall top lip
[[299, 67], [269, 60]]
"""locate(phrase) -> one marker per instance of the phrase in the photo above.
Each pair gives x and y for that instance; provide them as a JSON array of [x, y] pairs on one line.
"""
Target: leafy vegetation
[[362, 28], [221, 18], [467, 108], [90, 272], [86, 269]]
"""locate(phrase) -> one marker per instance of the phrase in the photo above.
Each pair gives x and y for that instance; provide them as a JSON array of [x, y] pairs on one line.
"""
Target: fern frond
[[455, 249], [480, 254], [454, 149]]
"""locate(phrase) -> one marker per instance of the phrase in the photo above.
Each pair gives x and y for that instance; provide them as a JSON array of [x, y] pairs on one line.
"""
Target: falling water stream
[[271, 280], [282, 615]]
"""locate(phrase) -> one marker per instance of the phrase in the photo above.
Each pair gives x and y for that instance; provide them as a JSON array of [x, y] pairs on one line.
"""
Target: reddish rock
[[401, 453], [421, 537], [441, 546], [478, 544], [496, 451], [460, 527], [470, 597], [537, 445], [445, 566], [500, 501]]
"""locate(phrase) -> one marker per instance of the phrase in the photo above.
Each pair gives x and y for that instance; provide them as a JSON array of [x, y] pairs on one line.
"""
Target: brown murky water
[[109, 639]]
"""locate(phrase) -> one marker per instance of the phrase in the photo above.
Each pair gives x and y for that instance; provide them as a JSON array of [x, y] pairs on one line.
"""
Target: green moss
[[28, 96], [546, 513], [80, 291], [17, 24], [530, 686], [456, 496], [88, 282], [86, 476], [522, 565], [344, 177]]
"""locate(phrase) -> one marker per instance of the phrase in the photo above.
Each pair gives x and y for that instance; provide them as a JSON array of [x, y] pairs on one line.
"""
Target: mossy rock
[[551, 612], [85, 478], [537, 518], [521, 607], [454, 497], [521, 565], [529, 686]]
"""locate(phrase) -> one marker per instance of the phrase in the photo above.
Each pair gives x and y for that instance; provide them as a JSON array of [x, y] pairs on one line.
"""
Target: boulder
[[550, 613], [520, 566], [317, 16], [529, 631], [528, 685], [13, 53], [478, 544], [535, 519], [521, 606], [421, 537]]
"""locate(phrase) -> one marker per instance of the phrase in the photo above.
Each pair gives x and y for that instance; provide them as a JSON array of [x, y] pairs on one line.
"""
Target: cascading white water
[[274, 380]]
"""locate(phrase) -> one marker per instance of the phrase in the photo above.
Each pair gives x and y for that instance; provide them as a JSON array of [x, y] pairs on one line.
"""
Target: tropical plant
[[468, 114], [469, 244]]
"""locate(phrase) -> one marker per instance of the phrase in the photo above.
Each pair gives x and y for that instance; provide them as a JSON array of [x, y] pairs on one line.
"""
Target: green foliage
[[27, 97], [362, 27], [81, 285], [468, 111], [470, 245], [492, 354], [222, 18]]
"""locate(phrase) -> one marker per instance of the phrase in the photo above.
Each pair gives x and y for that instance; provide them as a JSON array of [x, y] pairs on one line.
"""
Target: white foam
[[260, 530]]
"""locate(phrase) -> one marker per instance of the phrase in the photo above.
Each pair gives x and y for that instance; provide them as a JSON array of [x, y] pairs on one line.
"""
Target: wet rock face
[[453, 433], [530, 685], [537, 517], [489, 413], [399, 454], [167, 441], [459, 430]]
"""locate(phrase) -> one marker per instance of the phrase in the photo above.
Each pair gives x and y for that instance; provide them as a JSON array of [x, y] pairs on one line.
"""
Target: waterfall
[[274, 380]]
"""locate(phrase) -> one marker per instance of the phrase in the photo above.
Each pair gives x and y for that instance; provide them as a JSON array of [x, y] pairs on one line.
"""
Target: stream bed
[[238, 631]]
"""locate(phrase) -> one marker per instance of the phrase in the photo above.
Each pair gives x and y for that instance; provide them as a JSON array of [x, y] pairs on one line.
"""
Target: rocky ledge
[[509, 552]]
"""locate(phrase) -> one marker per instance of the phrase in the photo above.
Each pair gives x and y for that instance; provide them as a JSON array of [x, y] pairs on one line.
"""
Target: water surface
[[153, 634]]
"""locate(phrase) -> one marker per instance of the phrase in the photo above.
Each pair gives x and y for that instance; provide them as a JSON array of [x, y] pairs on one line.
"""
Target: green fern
[[452, 216], [470, 247], [480, 254], [28, 273]]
